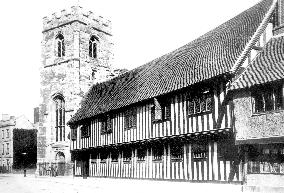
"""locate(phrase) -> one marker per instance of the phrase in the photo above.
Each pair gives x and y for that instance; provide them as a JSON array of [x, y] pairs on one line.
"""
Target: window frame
[[200, 151], [130, 118], [104, 156], [93, 47], [60, 45], [73, 133], [158, 152], [8, 148], [8, 134], [260, 97], [85, 130], [106, 124], [200, 103], [128, 158], [176, 151], [141, 154], [161, 110], [116, 153], [59, 118]]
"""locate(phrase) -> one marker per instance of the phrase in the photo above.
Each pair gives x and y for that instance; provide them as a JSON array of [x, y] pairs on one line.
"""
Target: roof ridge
[[254, 38], [251, 63]]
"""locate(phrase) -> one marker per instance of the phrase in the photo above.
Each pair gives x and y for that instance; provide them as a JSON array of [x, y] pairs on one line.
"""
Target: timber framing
[[184, 116]]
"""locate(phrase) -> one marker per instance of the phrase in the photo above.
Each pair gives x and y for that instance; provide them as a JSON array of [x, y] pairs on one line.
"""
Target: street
[[14, 183]]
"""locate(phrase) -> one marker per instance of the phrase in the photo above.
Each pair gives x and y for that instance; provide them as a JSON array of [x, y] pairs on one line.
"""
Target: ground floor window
[[104, 156], [127, 154], [176, 151], [114, 155], [158, 152], [200, 151], [141, 154]]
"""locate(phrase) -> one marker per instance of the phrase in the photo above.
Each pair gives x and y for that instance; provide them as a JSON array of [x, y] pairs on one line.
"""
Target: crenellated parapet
[[77, 13]]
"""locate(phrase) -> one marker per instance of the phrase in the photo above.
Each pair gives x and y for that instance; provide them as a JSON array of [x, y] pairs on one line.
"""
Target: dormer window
[[93, 47], [60, 45]]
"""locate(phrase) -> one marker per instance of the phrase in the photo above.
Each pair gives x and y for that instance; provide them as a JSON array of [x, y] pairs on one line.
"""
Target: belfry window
[[59, 118], [93, 47], [60, 45]]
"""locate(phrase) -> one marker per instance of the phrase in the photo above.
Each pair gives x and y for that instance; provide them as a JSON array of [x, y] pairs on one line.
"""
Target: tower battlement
[[76, 13]]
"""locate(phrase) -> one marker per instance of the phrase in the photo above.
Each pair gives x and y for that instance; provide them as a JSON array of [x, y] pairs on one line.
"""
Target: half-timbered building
[[172, 118], [258, 107]]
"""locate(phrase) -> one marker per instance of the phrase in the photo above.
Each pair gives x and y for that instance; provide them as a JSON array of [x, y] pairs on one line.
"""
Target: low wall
[[273, 180]]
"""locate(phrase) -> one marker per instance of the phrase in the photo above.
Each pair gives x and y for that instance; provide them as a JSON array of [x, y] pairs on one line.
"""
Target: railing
[[54, 169], [258, 167]]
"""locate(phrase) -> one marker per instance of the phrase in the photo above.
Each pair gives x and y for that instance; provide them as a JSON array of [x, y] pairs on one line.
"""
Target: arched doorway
[[60, 163]]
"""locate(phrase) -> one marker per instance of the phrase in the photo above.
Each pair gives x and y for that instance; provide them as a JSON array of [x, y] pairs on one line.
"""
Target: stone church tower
[[76, 53]]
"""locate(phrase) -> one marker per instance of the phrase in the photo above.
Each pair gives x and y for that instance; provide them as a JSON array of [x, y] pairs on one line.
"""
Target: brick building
[[17, 136], [76, 53]]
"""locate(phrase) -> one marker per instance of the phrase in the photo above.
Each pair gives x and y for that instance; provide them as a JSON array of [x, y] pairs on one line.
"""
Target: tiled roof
[[208, 56], [267, 67]]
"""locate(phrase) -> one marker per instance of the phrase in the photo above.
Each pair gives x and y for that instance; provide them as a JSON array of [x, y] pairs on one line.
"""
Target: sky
[[143, 30]]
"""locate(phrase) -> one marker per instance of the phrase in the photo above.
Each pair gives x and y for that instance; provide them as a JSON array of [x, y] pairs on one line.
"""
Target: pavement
[[17, 183]]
